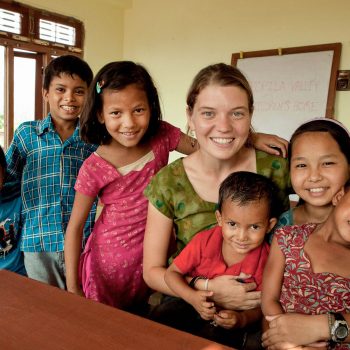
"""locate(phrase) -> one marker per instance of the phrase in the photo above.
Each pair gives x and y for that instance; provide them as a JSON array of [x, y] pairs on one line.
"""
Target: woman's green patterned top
[[171, 192]]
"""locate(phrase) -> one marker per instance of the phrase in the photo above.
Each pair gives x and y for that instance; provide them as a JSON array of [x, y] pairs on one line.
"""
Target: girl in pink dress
[[123, 116]]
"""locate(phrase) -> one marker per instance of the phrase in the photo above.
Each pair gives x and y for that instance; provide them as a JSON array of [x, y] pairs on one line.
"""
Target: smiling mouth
[[222, 140], [241, 246], [317, 190], [129, 133], [69, 108]]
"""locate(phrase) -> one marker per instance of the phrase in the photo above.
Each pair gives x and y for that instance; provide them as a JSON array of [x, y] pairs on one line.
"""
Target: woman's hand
[[288, 331], [233, 295], [272, 144]]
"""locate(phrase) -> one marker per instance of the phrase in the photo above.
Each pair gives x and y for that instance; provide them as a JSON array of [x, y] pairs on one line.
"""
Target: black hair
[[67, 64], [347, 185], [334, 128], [3, 164], [117, 76], [243, 187]]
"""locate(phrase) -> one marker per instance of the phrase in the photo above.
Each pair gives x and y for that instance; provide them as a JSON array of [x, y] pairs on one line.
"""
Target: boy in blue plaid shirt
[[45, 156]]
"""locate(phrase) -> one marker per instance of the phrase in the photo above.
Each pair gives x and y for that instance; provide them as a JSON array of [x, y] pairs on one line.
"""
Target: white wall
[[103, 21], [174, 39]]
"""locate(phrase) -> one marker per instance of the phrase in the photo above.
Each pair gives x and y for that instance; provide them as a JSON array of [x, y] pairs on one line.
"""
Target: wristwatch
[[338, 327]]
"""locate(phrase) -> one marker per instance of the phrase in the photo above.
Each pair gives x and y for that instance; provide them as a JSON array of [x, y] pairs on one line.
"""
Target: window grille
[[10, 21], [56, 32]]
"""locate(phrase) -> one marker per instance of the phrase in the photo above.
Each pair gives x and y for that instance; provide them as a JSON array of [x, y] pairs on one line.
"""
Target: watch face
[[341, 332]]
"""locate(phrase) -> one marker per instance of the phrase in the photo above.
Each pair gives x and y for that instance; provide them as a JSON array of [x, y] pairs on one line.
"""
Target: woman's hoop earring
[[193, 139]]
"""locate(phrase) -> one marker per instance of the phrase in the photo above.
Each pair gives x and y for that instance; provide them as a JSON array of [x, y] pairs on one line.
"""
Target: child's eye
[[255, 227], [115, 113], [231, 224], [80, 92], [60, 89], [300, 165], [139, 110], [328, 163]]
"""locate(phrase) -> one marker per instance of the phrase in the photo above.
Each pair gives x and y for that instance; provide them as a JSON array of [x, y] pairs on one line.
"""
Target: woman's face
[[221, 120]]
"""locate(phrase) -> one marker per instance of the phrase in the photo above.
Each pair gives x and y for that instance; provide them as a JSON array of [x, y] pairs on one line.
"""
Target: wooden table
[[37, 316]]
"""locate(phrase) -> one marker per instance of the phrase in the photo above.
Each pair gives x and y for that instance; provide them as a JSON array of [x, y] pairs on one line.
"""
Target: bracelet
[[206, 284], [194, 280]]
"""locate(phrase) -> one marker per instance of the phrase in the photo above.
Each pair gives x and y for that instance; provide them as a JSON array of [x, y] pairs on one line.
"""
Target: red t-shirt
[[203, 257]]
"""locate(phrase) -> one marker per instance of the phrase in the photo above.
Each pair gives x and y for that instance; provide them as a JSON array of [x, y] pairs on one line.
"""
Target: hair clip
[[99, 86]]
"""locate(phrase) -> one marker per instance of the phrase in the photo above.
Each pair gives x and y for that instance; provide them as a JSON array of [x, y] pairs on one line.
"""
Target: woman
[[184, 194]]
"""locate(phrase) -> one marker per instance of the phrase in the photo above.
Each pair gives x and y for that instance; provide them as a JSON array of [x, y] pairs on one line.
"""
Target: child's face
[[341, 215], [221, 120], [318, 168], [126, 115], [66, 96], [244, 227]]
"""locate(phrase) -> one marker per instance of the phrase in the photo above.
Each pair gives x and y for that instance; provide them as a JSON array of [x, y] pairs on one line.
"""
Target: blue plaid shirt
[[47, 169]]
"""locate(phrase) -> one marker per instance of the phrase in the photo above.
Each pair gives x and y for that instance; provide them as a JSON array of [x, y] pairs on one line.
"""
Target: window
[[29, 39], [10, 21], [57, 33]]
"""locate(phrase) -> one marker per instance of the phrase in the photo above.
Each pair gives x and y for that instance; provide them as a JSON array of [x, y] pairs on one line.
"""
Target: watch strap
[[330, 344], [338, 316]]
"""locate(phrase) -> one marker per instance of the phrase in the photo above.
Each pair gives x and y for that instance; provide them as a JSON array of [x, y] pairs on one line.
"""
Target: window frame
[[30, 26], [29, 40]]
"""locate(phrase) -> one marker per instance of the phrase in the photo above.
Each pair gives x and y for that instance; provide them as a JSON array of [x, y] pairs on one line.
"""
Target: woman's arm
[[155, 249], [73, 240], [272, 281], [272, 144], [187, 144]]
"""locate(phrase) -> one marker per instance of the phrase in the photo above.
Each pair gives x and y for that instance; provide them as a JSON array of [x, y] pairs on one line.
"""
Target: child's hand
[[228, 319], [272, 144], [203, 306]]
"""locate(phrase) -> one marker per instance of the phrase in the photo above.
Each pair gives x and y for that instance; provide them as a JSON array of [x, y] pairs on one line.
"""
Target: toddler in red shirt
[[247, 211]]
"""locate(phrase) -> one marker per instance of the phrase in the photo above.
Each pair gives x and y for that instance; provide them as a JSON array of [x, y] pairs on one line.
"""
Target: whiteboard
[[289, 89]]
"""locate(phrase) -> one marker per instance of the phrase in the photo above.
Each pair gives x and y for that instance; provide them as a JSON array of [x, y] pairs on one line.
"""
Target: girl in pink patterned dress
[[123, 116], [307, 276]]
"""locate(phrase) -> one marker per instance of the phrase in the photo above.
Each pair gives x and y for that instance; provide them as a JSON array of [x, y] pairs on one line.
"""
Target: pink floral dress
[[111, 264], [304, 291]]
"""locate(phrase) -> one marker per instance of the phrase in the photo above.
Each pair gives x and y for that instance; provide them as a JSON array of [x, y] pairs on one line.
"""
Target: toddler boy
[[247, 210]]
